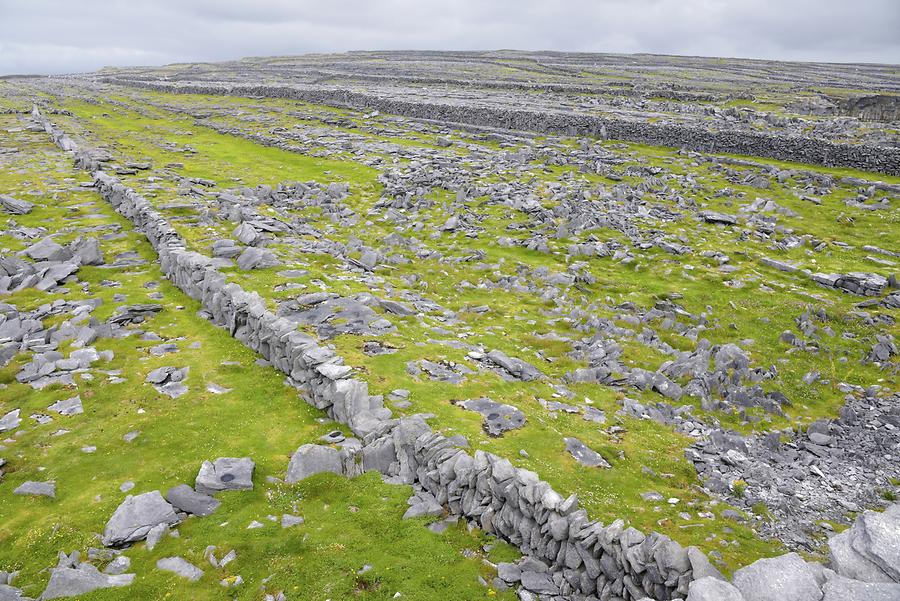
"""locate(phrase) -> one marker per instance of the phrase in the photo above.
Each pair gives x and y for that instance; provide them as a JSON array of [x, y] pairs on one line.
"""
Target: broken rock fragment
[[14, 205], [169, 380], [188, 500], [516, 367], [10, 421], [585, 455], [257, 258], [46, 250]]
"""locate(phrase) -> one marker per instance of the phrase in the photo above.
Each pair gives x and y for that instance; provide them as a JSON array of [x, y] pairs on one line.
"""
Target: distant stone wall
[[57, 135], [786, 148], [667, 93], [586, 557]]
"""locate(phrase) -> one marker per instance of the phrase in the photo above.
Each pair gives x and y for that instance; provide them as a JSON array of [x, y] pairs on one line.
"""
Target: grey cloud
[[58, 36]]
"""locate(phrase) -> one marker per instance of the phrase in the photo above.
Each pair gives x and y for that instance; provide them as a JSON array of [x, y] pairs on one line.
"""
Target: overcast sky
[[64, 36]]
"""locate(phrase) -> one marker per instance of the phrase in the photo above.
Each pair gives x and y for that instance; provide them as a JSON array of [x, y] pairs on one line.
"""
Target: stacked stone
[[57, 135], [585, 558], [317, 371], [509, 502], [865, 157], [89, 159], [139, 211], [565, 88], [863, 284]]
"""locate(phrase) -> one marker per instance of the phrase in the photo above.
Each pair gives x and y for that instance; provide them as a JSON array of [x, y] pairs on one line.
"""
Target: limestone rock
[[312, 459], [188, 500], [584, 454], [783, 578], [14, 205], [45, 250], [86, 251], [71, 581], [136, 516], [225, 473], [870, 549], [117, 566], [422, 503], [71, 406], [838, 588], [257, 258], [180, 566], [10, 421], [516, 367], [11, 593], [497, 417], [713, 589], [37, 489]]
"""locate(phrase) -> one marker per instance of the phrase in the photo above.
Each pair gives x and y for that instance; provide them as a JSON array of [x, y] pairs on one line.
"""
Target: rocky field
[[451, 325]]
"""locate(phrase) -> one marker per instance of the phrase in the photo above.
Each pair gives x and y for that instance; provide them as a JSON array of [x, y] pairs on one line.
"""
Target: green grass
[[234, 159]]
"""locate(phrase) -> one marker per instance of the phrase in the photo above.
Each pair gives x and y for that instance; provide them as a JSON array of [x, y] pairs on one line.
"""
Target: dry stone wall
[[569, 556], [667, 92], [786, 148], [585, 558]]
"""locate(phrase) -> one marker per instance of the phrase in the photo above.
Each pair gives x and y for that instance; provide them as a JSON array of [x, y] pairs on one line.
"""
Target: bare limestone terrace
[[362, 326]]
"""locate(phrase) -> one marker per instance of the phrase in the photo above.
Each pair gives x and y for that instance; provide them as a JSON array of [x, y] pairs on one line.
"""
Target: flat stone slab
[[167, 373], [838, 588], [713, 589], [517, 368], [180, 566], [15, 206], [169, 380], [257, 258], [423, 504], [173, 389], [288, 520], [451, 373], [216, 389], [37, 489], [497, 417], [225, 473], [11, 593], [334, 316], [44, 250]]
